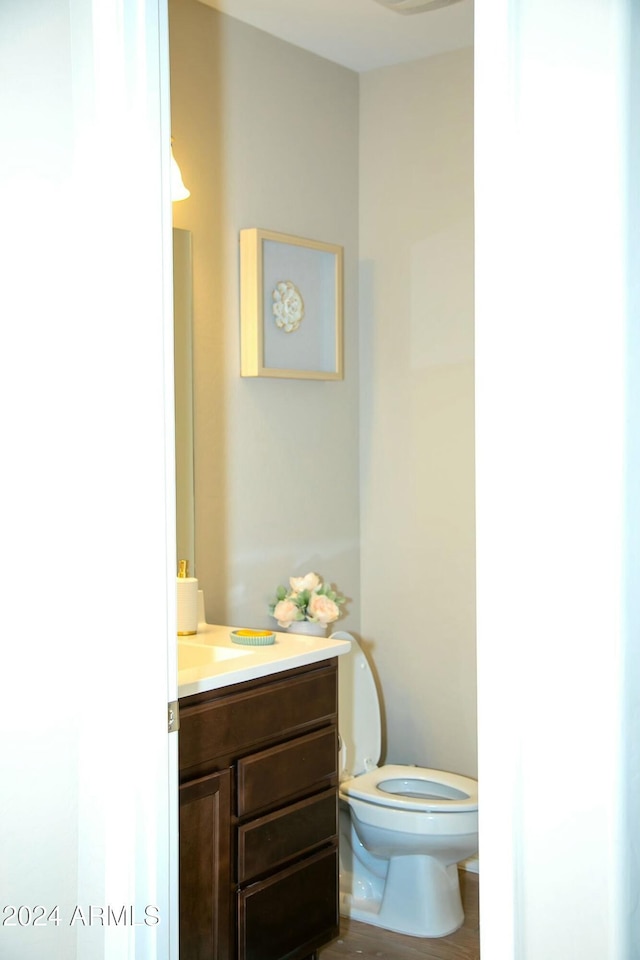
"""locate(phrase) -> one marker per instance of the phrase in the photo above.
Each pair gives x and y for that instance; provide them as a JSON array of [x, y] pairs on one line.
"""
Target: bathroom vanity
[[258, 797]]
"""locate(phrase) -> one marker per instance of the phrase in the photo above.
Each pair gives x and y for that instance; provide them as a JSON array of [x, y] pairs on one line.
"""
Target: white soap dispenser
[[187, 610]]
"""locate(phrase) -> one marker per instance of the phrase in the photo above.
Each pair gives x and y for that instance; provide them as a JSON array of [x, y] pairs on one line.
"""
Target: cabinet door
[[205, 868]]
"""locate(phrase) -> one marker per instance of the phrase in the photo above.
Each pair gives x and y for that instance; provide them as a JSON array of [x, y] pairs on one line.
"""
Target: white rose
[[322, 609], [285, 612], [311, 581]]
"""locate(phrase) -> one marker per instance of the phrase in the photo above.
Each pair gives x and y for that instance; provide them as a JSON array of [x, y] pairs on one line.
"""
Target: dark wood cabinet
[[205, 862], [259, 818]]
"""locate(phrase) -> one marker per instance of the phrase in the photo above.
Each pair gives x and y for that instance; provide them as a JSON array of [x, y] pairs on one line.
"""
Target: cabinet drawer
[[292, 913], [268, 842], [229, 724], [290, 770]]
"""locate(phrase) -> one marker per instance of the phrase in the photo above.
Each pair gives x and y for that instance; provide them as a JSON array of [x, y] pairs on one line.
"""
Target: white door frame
[[88, 490], [89, 778], [555, 478]]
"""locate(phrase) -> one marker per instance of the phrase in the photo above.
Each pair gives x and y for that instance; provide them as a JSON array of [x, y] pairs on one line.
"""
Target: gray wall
[[417, 406], [271, 136], [267, 136]]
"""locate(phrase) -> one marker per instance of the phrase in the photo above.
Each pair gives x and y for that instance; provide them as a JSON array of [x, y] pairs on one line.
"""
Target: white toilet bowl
[[403, 829]]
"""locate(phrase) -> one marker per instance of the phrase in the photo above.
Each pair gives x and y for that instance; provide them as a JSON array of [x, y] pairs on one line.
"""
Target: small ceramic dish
[[253, 638]]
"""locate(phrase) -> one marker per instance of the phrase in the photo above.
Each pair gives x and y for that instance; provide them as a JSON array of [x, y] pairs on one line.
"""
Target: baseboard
[[472, 865]]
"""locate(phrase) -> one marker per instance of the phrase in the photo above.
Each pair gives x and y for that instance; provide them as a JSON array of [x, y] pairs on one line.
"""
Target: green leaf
[[281, 593]]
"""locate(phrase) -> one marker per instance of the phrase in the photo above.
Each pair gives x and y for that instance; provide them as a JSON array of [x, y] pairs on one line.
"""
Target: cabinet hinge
[[174, 716]]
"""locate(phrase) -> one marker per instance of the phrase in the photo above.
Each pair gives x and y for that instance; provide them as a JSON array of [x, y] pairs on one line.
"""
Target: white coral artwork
[[288, 306]]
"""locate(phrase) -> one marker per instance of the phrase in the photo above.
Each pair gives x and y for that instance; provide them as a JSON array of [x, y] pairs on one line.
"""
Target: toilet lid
[[358, 712]]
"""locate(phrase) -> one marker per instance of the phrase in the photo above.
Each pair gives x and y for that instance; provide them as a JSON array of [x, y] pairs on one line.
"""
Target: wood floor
[[364, 941]]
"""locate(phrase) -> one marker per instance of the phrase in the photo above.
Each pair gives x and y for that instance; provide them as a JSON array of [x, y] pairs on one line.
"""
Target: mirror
[[183, 363]]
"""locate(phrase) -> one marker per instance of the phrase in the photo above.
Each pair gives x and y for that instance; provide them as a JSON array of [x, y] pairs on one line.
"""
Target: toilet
[[403, 829]]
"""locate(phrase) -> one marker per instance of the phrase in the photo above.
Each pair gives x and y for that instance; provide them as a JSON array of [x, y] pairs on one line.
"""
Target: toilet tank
[[358, 712]]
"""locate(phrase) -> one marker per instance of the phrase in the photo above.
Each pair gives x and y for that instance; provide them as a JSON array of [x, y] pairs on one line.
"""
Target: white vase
[[309, 628]]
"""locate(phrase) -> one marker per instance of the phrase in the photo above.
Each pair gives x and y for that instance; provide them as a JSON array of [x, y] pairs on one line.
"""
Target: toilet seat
[[403, 829], [414, 788], [396, 786]]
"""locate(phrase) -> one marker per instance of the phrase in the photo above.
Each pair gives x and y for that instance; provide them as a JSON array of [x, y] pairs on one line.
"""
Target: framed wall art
[[291, 292]]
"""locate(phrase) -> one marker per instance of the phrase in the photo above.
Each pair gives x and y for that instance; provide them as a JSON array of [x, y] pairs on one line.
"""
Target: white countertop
[[210, 660]]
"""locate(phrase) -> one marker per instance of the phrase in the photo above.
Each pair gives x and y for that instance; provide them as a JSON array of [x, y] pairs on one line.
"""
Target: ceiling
[[359, 34]]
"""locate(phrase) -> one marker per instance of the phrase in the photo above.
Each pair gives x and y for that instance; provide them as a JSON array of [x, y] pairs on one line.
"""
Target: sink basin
[[192, 655]]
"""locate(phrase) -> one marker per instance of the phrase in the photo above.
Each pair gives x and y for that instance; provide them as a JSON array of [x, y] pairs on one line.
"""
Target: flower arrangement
[[308, 598]]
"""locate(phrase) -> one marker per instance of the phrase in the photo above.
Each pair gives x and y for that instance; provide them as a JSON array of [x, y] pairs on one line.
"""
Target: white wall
[[416, 423], [267, 136]]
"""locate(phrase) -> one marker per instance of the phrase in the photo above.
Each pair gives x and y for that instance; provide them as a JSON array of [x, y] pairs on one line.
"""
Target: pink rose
[[310, 581], [322, 609], [285, 612]]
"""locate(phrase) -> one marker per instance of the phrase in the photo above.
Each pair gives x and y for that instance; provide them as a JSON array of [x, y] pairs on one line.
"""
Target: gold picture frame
[[291, 304]]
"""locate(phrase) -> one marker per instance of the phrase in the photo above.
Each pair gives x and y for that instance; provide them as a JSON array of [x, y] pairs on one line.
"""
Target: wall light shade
[[415, 6], [178, 189]]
